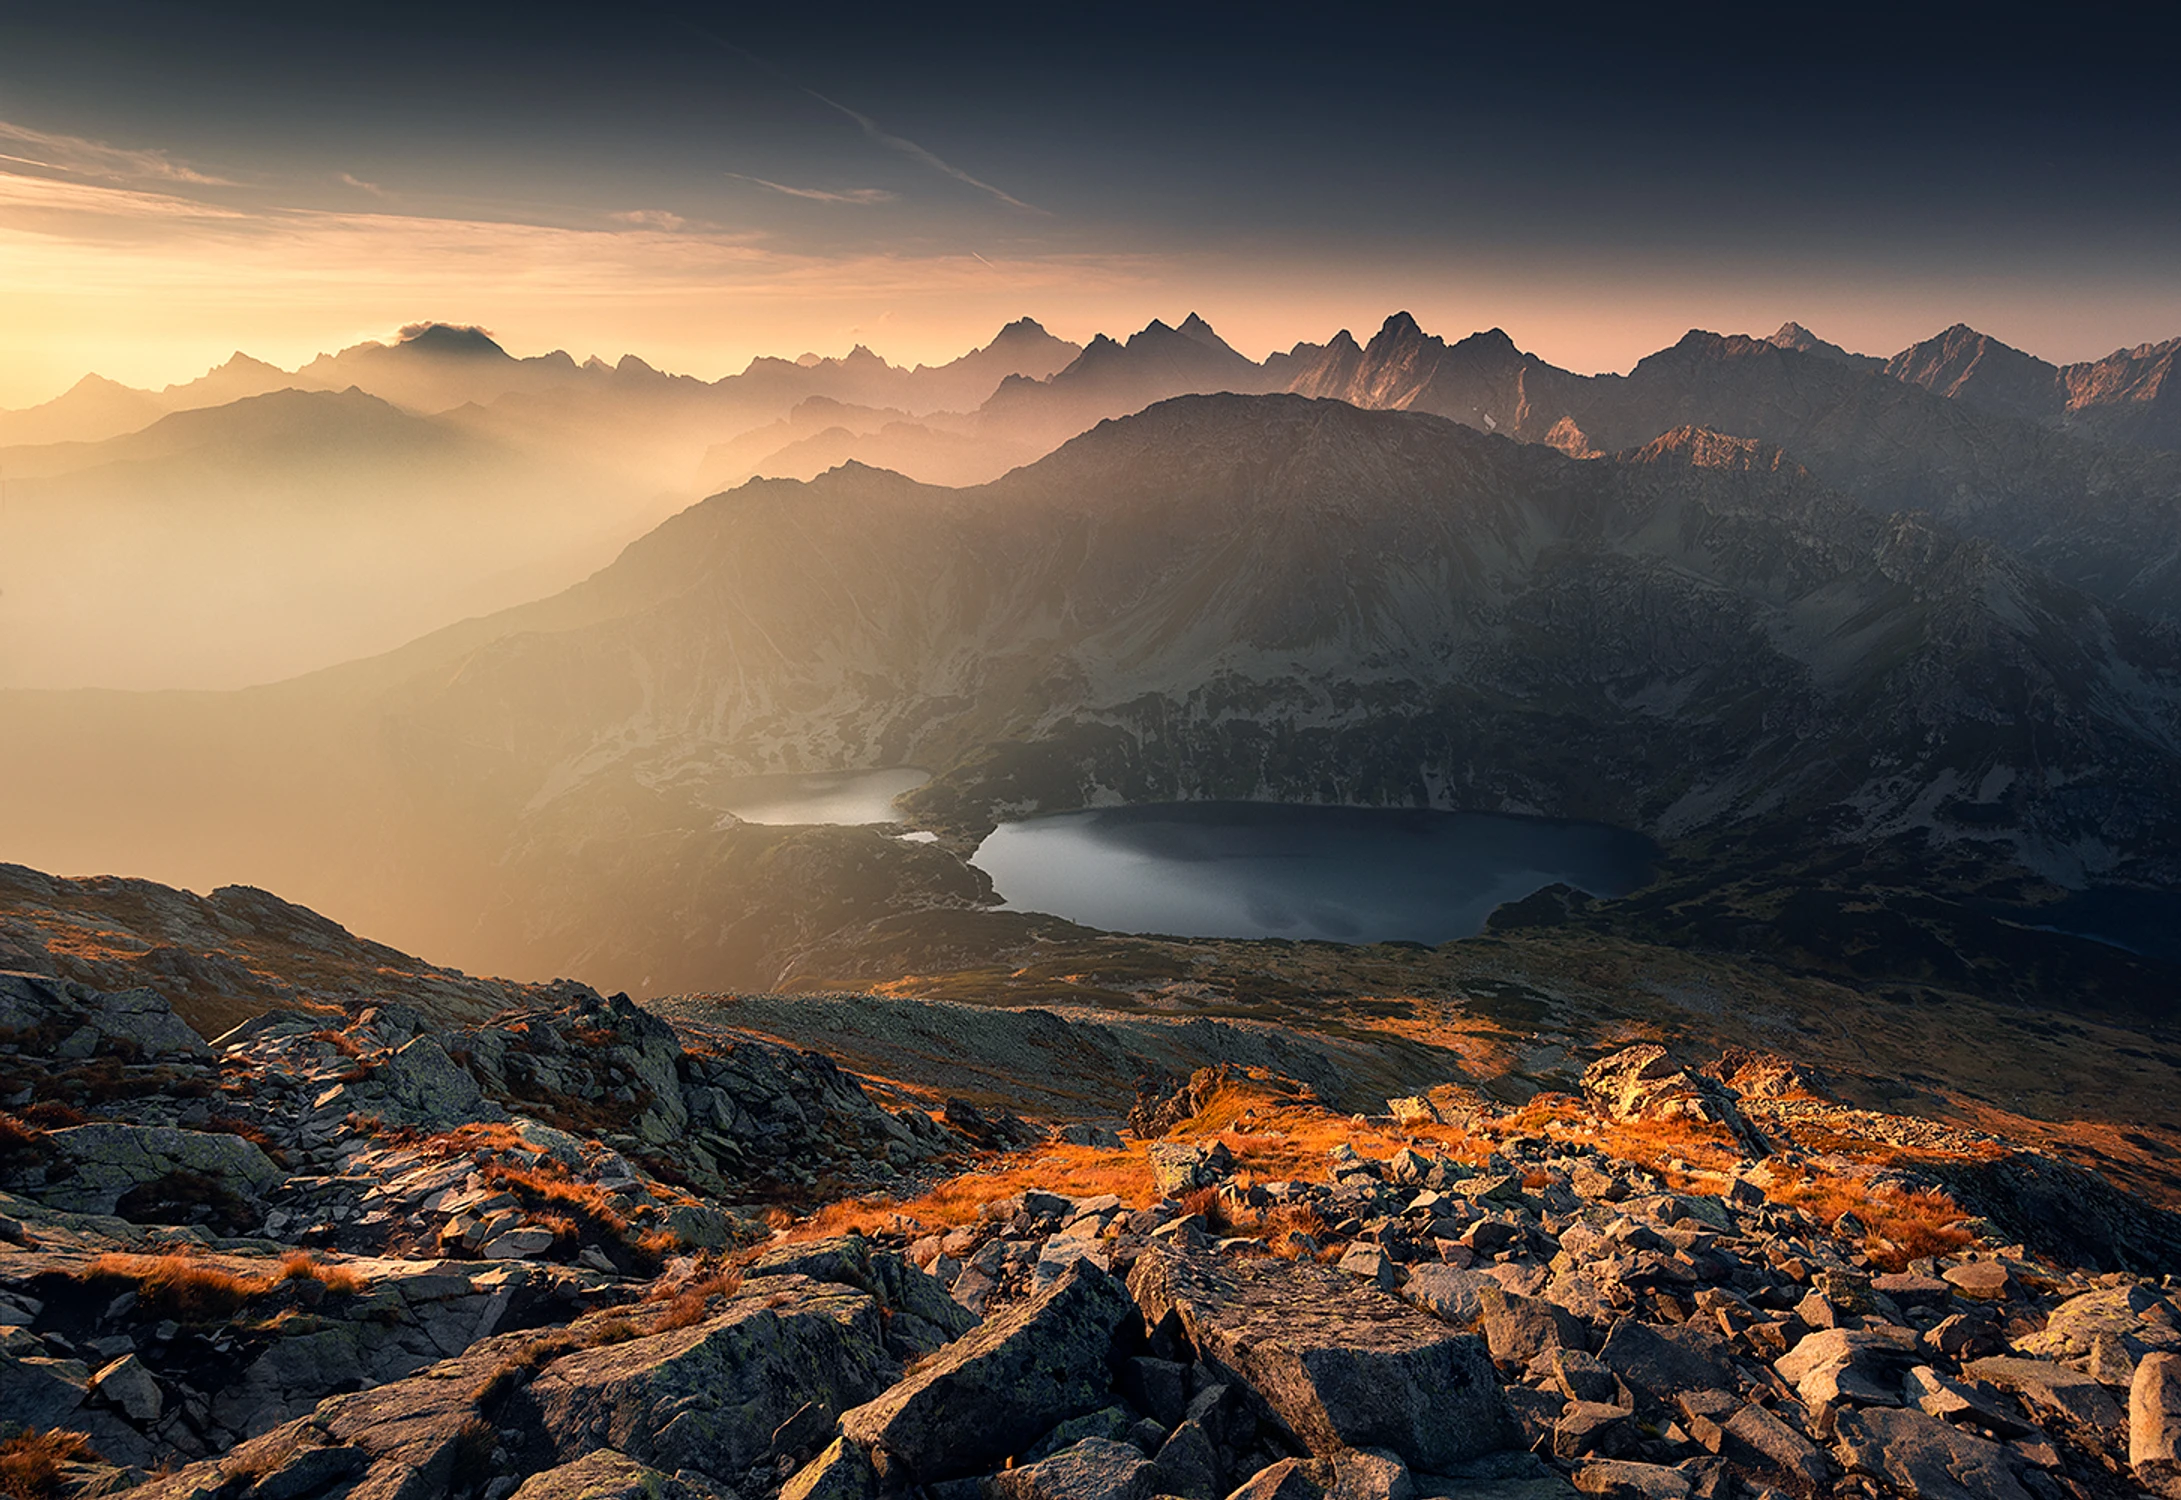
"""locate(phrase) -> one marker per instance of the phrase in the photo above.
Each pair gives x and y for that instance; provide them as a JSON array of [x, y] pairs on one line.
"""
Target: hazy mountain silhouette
[[94, 407], [250, 541]]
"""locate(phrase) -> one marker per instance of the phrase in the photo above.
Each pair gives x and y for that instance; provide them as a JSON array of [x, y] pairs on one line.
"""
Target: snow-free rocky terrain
[[382, 1245]]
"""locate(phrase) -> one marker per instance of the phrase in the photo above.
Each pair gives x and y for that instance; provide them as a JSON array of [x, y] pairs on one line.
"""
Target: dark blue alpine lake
[[1256, 869]]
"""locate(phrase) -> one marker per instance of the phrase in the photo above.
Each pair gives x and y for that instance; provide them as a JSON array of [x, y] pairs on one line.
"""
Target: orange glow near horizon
[[150, 289]]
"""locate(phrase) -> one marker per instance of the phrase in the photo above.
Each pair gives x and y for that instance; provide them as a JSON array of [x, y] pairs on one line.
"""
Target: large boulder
[[81, 1021], [1927, 1458], [406, 1440], [1094, 1469], [992, 1393], [2154, 1424], [1643, 1083], [1517, 1329], [920, 1315], [39, 1391], [421, 1085], [1659, 1364], [110, 1159], [1449, 1293], [607, 1475], [710, 1396], [1850, 1364], [1337, 1363], [841, 1472], [2052, 1389]]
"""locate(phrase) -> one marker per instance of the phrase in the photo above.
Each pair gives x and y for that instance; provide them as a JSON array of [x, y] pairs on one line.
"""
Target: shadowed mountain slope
[[1224, 597]]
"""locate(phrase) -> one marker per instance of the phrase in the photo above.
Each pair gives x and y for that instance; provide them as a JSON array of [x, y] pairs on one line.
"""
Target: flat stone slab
[[1926, 1458], [1337, 1362], [2051, 1388]]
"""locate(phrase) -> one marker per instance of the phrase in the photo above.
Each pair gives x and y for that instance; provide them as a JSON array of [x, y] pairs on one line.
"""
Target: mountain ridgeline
[[1233, 596]]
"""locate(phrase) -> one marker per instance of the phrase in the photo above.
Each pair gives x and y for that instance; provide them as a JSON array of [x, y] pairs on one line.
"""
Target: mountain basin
[[1256, 869], [837, 797], [2143, 922]]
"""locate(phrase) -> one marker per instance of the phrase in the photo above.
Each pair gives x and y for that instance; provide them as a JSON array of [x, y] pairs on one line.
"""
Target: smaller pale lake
[[842, 797], [1252, 869]]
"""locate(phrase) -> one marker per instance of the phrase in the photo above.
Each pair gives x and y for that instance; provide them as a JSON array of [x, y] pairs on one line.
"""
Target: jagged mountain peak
[[461, 340], [1792, 335], [1705, 341], [1489, 341], [1967, 365], [96, 383], [239, 361], [1195, 328]]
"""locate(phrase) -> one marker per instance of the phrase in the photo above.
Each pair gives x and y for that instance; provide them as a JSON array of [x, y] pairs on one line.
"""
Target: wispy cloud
[[88, 158], [917, 153], [362, 186], [650, 218], [821, 195], [870, 127], [80, 202]]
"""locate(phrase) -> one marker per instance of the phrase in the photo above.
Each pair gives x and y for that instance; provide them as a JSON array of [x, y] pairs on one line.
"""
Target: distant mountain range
[[273, 534], [255, 523], [1871, 647], [437, 367]]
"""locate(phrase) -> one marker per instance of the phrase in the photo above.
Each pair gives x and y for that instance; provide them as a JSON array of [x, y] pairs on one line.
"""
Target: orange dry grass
[[1273, 1225], [475, 1137], [1077, 1171], [1656, 1144], [1276, 1137], [1904, 1226], [545, 1188], [691, 1302], [21, 1140], [189, 1288], [31, 1463], [301, 1265], [339, 1041], [180, 1286]]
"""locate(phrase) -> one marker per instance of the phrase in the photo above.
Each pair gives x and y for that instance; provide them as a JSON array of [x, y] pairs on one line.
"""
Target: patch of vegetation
[[179, 1285], [196, 1291], [23, 1146], [33, 1465]]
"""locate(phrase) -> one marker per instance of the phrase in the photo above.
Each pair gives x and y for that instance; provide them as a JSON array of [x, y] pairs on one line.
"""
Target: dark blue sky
[[1886, 170]]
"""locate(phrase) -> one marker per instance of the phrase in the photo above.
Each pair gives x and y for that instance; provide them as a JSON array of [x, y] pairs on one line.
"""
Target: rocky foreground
[[573, 1251]]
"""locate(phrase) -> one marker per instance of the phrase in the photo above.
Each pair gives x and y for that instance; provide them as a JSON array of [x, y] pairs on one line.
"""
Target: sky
[[703, 184]]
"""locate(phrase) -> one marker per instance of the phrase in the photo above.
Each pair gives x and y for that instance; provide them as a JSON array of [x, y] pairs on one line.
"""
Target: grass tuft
[[32, 1464], [180, 1286], [301, 1265]]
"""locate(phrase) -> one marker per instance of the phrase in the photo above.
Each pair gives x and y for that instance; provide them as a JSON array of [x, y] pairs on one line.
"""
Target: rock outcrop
[[1336, 1366]]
